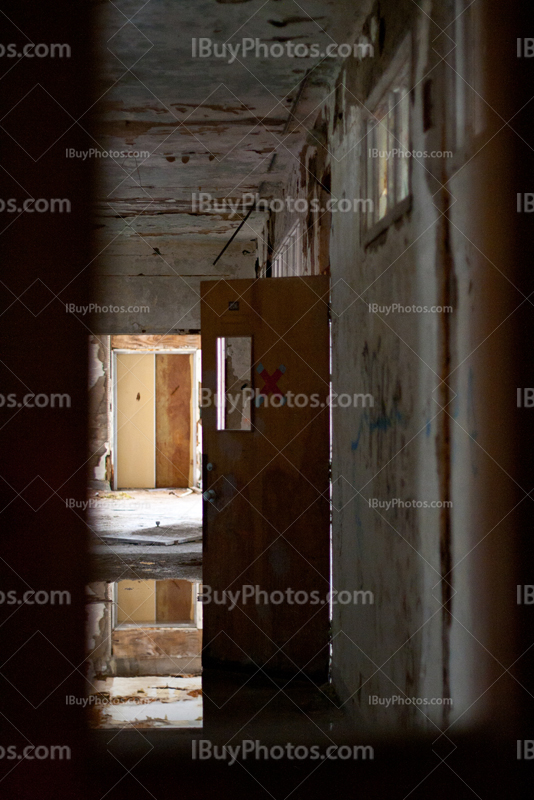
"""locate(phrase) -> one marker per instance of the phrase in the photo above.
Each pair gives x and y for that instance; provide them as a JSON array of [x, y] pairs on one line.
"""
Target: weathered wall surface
[[391, 451], [99, 463], [99, 599], [485, 494], [430, 620], [160, 292]]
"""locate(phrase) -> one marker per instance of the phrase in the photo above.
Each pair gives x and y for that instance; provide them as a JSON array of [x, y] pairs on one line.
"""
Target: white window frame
[[392, 92], [288, 261]]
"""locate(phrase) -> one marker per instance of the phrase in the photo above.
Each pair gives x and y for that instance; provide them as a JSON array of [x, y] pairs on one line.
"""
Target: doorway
[[144, 620], [155, 418]]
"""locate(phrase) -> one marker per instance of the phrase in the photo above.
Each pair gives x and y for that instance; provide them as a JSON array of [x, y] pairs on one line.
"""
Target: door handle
[[209, 496]]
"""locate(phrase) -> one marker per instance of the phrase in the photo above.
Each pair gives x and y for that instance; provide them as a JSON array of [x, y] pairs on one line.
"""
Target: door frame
[[195, 385]]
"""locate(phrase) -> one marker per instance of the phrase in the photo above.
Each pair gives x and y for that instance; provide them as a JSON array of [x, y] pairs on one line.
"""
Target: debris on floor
[[146, 702]]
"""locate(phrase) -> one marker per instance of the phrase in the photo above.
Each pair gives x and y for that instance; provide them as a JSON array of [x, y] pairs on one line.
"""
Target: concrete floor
[[113, 562], [240, 706], [127, 544], [127, 515]]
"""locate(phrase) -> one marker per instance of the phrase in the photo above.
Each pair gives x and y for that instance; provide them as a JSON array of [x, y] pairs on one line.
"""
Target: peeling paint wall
[[99, 600], [418, 637], [388, 451], [99, 463]]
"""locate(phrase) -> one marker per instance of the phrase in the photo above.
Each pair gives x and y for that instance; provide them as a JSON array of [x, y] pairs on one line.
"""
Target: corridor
[[266, 401]]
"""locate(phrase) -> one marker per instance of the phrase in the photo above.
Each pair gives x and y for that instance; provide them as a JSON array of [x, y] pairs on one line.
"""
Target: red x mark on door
[[270, 382]]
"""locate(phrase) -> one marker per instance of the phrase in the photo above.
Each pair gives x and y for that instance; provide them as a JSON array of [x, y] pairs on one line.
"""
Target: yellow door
[[135, 381]]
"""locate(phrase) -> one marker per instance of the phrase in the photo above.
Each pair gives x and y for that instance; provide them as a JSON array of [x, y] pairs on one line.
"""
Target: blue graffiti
[[383, 422]]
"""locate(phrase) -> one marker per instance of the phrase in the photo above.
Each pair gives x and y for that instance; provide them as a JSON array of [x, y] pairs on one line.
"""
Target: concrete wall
[[391, 451]]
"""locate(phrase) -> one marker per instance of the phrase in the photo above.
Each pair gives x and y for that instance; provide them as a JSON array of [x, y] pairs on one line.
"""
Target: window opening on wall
[[387, 172], [386, 155], [288, 259]]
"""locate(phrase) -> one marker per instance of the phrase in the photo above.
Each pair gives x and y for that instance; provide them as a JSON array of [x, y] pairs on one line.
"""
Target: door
[[266, 474], [154, 420], [135, 438], [174, 461]]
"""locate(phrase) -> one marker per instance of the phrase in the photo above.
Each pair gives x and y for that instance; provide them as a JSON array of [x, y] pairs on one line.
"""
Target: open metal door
[[266, 474]]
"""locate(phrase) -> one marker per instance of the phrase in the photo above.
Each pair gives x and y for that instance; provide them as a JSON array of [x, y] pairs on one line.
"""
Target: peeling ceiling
[[205, 124]]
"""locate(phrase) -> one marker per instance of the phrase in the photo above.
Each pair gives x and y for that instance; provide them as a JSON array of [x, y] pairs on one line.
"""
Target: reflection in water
[[144, 653]]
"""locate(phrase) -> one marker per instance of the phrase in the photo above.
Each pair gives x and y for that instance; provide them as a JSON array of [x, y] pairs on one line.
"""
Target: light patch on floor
[[151, 513], [147, 702]]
